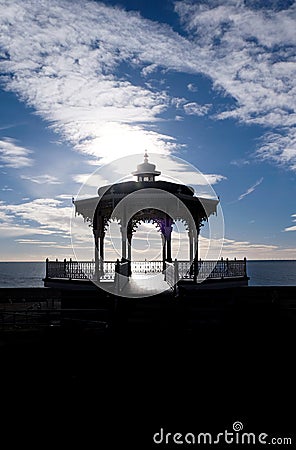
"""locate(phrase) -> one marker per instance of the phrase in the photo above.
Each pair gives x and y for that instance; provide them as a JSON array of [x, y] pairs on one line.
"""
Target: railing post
[[65, 269], [245, 266], [116, 279]]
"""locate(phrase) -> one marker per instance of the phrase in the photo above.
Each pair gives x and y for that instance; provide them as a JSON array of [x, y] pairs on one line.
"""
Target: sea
[[261, 273]]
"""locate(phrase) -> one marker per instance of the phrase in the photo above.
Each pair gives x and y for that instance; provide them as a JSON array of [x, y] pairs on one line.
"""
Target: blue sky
[[85, 82]]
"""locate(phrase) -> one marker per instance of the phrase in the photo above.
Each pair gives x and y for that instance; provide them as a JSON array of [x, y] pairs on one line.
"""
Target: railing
[[146, 267], [79, 270], [223, 268], [185, 270], [108, 272], [84, 270], [73, 270]]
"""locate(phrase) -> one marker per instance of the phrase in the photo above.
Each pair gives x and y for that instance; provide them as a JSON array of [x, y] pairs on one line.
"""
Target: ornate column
[[123, 230], [97, 258], [191, 251], [169, 248], [99, 243], [101, 253], [196, 252], [163, 250], [129, 247], [195, 244], [168, 233], [191, 245]]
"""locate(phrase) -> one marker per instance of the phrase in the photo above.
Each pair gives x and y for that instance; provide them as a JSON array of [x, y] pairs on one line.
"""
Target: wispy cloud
[[149, 69], [41, 179], [255, 250], [13, 155], [191, 87], [71, 77], [39, 216], [293, 227], [279, 147], [35, 242], [195, 109], [240, 162], [251, 189], [11, 230], [6, 127], [6, 188], [253, 45]]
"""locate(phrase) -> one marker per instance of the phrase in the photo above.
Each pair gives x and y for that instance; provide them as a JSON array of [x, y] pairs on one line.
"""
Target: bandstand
[[149, 200]]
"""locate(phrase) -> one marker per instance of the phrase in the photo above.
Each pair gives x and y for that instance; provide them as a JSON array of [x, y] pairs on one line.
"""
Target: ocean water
[[272, 273], [21, 274], [261, 273]]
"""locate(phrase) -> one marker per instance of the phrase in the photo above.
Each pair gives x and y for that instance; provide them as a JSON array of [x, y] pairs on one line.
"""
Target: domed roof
[[146, 168]]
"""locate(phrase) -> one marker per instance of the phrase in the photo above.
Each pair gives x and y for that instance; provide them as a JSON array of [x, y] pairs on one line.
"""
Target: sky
[[83, 83]]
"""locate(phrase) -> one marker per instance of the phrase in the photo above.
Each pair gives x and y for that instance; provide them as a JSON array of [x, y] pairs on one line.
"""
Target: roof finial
[[146, 171]]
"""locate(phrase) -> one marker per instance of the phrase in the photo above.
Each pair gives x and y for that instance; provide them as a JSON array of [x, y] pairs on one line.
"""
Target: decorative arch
[[110, 198]]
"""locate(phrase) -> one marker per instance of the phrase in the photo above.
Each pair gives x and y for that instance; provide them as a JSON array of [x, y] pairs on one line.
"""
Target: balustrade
[[85, 270]]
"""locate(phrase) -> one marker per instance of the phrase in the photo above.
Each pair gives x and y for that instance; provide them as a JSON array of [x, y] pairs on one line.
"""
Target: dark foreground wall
[[192, 309], [221, 358]]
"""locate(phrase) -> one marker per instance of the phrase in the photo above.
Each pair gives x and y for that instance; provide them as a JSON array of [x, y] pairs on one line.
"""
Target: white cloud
[[213, 178], [149, 69], [39, 216], [11, 230], [191, 87], [13, 155], [279, 147], [293, 227], [6, 188], [76, 47], [195, 109], [35, 241], [65, 196], [41, 179], [251, 250], [70, 78], [240, 162], [178, 102], [91, 179], [250, 55], [251, 189]]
